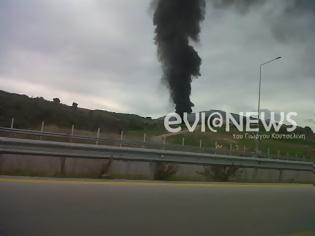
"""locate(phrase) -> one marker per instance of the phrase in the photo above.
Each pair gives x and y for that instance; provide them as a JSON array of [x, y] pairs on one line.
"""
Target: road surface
[[57, 207]]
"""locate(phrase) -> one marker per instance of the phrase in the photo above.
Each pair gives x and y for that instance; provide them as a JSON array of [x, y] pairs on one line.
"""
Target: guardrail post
[[144, 139], [183, 141], [164, 142], [12, 123], [230, 148], [244, 149], [268, 152], [72, 133], [42, 130], [278, 154], [98, 136], [121, 137], [200, 143]]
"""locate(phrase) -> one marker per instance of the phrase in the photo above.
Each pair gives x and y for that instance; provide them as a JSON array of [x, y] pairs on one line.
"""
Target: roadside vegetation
[[297, 148], [29, 113]]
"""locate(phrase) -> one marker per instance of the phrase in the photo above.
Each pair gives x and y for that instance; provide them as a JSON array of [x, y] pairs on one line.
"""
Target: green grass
[[300, 234], [303, 149], [139, 134]]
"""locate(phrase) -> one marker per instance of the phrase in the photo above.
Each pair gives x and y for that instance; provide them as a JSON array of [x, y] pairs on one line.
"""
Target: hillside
[[30, 112]]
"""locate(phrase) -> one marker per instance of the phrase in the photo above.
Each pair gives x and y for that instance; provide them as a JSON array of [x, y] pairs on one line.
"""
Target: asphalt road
[[47, 207]]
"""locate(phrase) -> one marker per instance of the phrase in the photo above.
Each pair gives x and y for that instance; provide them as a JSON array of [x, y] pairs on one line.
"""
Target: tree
[[308, 130], [56, 100], [74, 106]]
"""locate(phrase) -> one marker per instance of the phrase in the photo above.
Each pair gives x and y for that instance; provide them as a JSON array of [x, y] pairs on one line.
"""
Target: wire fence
[[122, 141]]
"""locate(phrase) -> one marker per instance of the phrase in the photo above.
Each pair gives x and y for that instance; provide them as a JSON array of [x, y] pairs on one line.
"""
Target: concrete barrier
[[49, 166], [38, 158]]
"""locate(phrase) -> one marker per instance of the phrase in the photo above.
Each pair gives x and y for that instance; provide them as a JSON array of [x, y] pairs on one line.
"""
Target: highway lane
[[55, 207]]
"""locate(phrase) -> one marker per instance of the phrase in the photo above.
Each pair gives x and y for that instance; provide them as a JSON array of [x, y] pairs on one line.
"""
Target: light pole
[[259, 94]]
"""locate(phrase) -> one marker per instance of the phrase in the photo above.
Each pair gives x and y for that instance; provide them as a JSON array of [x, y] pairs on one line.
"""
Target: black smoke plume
[[177, 22]]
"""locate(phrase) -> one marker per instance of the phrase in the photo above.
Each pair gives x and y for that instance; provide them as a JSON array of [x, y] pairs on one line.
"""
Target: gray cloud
[[102, 55]]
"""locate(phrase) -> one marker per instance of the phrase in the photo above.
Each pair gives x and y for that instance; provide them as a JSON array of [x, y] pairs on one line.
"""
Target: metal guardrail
[[116, 142], [72, 150], [68, 137]]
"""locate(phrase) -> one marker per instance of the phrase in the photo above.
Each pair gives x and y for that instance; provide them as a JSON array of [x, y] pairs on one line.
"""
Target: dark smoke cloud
[[292, 6], [177, 22], [241, 5], [285, 23]]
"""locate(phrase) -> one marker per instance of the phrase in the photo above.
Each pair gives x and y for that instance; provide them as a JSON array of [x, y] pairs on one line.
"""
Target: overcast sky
[[101, 54]]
